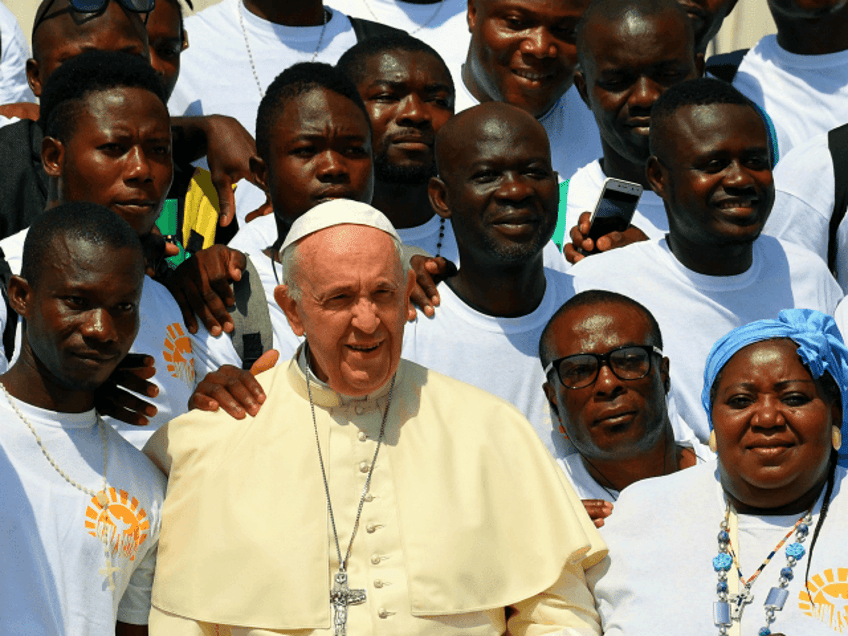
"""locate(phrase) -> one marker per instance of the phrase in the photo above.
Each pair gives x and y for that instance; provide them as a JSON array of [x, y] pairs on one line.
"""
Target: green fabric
[[559, 232]]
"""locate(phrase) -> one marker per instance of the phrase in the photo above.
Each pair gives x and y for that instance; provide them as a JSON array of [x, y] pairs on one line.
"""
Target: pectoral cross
[[107, 571], [739, 601], [340, 597]]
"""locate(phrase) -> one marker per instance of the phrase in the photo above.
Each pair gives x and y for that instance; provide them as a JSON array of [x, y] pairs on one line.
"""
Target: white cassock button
[[363, 467], [375, 559], [383, 613], [362, 436], [359, 409], [370, 528], [369, 497], [378, 584]]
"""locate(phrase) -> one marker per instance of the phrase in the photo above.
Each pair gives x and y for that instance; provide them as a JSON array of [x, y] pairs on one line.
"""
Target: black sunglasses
[[94, 6], [581, 370]]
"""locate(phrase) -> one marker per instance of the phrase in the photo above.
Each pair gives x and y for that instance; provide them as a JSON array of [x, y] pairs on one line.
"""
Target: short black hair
[[354, 60], [595, 297], [75, 220], [91, 72], [703, 91], [295, 81], [615, 10]]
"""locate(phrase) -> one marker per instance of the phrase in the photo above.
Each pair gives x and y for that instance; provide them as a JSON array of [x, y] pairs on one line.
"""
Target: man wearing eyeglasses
[[607, 382]]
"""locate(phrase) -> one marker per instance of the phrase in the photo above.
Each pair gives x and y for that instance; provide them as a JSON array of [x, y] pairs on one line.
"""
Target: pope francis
[[369, 495]]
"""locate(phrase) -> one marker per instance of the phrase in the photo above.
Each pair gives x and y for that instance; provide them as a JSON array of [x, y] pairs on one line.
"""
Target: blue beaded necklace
[[729, 607]]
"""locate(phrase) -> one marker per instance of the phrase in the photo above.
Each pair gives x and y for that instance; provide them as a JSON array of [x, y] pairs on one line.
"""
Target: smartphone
[[615, 208]]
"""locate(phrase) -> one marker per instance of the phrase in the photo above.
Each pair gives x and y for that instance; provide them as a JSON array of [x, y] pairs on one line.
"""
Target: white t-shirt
[[161, 334], [262, 232], [805, 185], [498, 355], [51, 553], [572, 131], [15, 53], [587, 487], [580, 194], [662, 540], [694, 310], [216, 75], [804, 95], [442, 25], [212, 352]]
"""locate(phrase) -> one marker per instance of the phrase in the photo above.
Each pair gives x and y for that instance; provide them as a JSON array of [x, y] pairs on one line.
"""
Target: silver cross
[[739, 601], [340, 597]]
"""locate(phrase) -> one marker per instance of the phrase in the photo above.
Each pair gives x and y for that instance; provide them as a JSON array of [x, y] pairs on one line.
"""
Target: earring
[[836, 438], [712, 442]]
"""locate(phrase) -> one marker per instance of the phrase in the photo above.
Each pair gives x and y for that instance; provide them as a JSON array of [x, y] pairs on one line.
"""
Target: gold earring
[[836, 438], [712, 442]]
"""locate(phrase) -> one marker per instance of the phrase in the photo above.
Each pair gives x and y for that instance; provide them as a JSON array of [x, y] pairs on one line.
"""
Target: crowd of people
[[305, 328]]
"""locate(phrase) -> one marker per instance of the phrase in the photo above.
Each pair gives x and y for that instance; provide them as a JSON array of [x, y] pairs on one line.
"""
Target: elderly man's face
[[611, 417], [354, 304], [523, 52]]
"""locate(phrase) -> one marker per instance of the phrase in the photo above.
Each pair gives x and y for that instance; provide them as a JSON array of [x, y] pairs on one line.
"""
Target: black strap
[[11, 317], [837, 143], [253, 334], [725, 65], [365, 29]]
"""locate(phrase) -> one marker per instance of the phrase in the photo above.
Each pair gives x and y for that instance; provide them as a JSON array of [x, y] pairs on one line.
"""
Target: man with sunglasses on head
[[607, 382]]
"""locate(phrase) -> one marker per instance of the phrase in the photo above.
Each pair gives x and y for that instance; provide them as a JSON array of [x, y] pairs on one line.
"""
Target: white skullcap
[[338, 212]]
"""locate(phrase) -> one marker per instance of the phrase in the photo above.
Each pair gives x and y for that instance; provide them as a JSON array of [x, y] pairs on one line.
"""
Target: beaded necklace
[[729, 607]]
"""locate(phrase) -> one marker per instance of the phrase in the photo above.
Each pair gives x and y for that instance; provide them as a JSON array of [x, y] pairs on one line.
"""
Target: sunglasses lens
[[141, 6], [88, 6]]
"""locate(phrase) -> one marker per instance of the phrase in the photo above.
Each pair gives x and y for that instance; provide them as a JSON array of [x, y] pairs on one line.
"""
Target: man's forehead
[[554, 9], [396, 65], [600, 326], [713, 125], [609, 40]]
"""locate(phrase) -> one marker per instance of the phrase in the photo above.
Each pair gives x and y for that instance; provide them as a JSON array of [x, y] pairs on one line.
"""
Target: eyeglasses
[[93, 6], [626, 363]]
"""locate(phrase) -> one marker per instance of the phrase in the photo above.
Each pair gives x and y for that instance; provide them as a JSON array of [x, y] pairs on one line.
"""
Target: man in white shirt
[[81, 506], [607, 381], [713, 272], [496, 185], [799, 76], [630, 51]]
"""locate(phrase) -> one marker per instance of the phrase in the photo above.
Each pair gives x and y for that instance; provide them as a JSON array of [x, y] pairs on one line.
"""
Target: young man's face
[[523, 52], [118, 154], [166, 42], [320, 150]]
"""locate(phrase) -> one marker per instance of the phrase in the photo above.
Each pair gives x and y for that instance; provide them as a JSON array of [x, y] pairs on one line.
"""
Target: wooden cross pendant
[[340, 597], [108, 571], [738, 603]]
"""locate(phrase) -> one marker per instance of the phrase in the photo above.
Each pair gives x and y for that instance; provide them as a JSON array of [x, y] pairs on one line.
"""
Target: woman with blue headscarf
[[756, 543]]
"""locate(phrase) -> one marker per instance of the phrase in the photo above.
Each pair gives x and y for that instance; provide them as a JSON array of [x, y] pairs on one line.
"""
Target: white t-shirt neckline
[[712, 283], [54, 419]]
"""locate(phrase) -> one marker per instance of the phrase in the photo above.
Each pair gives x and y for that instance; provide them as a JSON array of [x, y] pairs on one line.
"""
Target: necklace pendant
[[340, 597], [738, 603]]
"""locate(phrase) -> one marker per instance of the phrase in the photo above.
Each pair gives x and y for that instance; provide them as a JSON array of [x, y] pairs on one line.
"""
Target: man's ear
[[289, 307], [550, 393], [657, 176], [580, 83], [33, 77], [665, 364], [52, 156], [438, 193], [700, 64], [20, 296], [259, 170], [471, 15]]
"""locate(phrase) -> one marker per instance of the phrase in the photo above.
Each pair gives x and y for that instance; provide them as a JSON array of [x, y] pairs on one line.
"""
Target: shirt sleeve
[[134, 607], [567, 608]]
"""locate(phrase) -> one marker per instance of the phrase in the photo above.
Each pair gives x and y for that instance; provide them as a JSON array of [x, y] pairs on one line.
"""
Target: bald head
[[462, 138], [60, 33]]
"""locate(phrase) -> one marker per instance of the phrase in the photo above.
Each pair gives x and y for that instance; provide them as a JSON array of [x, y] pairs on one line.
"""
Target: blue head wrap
[[820, 347]]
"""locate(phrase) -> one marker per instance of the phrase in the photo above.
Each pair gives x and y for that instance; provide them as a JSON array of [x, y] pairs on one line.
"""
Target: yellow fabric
[[474, 514], [201, 208]]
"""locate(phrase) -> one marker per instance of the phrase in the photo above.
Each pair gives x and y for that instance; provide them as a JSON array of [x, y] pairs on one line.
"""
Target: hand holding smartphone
[[614, 210]]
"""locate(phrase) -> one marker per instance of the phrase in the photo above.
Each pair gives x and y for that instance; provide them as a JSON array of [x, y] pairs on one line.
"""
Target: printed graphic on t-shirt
[[827, 600], [121, 525], [177, 354]]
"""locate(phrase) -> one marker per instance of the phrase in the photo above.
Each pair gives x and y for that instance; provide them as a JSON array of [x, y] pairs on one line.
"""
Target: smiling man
[[396, 510], [713, 272], [497, 188]]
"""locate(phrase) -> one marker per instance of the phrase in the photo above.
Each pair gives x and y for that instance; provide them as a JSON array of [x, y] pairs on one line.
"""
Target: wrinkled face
[[706, 17], [66, 35], [409, 98], [772, 424], [320, 150], [628, 67], [716, 176], [82, 316], [806, 9], [523, 51], [119, 155], [611, 418], [166, 42], [502, 193], [353, 307]]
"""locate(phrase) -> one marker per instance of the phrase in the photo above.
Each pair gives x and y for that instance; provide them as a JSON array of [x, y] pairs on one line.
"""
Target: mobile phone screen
[[614, 212]]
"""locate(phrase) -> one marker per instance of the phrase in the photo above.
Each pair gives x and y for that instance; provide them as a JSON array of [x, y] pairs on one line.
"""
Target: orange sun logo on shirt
[[177, 354], [827, 600], [121, 524]]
